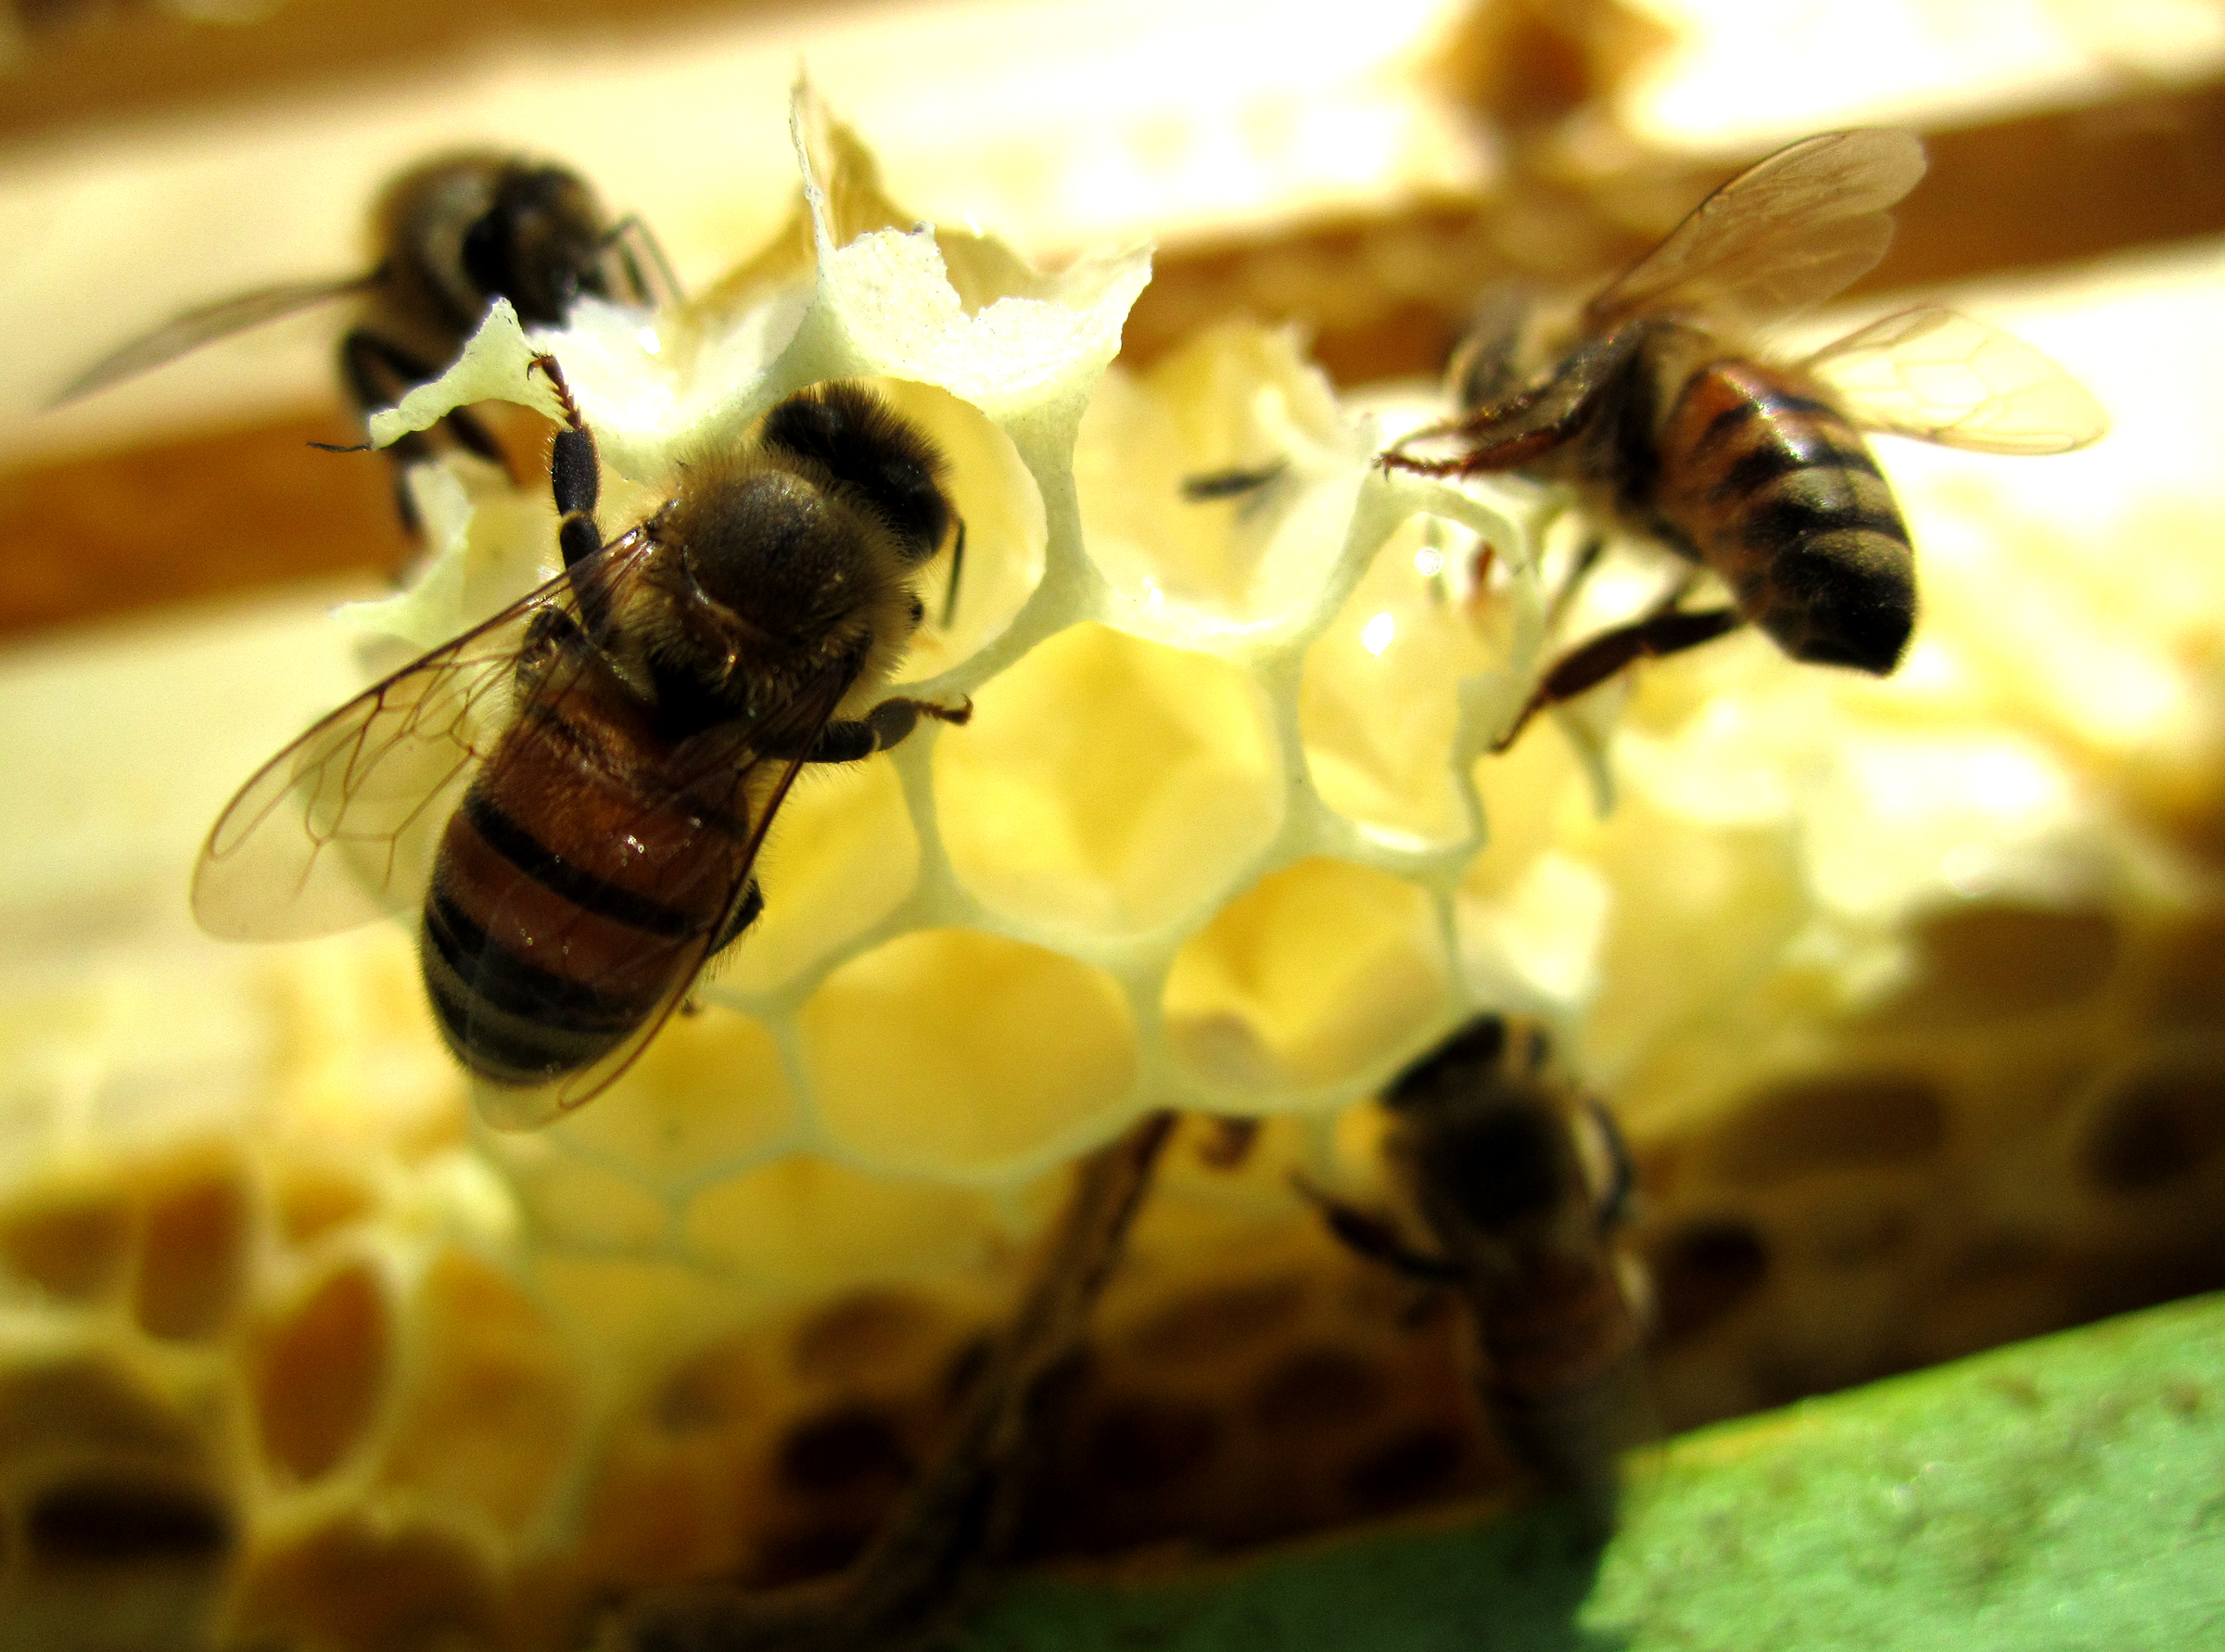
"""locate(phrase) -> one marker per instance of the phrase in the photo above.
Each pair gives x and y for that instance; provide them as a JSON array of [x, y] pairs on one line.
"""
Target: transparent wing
[[202, 325], [722, 773], [342, 825], [1941, 377], [1783, 236]]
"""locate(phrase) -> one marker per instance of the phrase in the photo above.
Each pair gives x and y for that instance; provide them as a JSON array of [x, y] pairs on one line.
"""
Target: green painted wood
[[2058, 1496]]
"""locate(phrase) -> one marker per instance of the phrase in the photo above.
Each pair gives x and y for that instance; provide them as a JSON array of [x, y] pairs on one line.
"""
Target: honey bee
[[572, 794], [1522, 1182], [1655, 405], [454, 234]]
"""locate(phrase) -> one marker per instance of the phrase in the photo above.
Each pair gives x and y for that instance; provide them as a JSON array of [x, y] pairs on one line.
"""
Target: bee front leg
[[379, 373], [1369, 1235], [576, 480], [958, 566], [1515, 432], [893, 721]]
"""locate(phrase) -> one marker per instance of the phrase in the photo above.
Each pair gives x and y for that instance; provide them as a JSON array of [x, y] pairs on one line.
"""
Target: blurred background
[[1362, 168]]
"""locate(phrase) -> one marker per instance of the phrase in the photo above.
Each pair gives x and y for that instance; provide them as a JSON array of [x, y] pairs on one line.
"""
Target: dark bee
[[453, 236], [574, 793], [1656, 407], [1520, 1178]]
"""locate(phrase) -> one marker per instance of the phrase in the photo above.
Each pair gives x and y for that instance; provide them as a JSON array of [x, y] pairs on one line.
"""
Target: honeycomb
[[1907, 990]]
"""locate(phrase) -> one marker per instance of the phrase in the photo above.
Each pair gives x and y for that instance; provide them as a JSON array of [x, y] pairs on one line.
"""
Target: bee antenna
[[326, 447]]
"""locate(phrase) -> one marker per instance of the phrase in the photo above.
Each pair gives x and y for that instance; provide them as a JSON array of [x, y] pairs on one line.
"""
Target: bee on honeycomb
[[1904, 990]]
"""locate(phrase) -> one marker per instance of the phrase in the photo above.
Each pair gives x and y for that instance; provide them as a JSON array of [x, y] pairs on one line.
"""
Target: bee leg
[[1231, 1142], [893, 721], [1230, 484], [957, 564], [405, 506], [1369, 1235], [1655, 637], [1615, 1199], [360, 365], [1579, 570], [576, 480], [889, 723], [923, 1567], [1524, 427], [744, 914], [381, 372]]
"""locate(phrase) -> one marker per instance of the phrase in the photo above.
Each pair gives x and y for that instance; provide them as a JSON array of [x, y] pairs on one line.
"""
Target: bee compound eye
[[487, 254]]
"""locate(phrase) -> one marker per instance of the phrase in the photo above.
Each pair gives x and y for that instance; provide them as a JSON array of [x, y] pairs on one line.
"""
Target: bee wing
[[1785, 234], [726, 764], [202, 325], [1942, 377], [342, 825]]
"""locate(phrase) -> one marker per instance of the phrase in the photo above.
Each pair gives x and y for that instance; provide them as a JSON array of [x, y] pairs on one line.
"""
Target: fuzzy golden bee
[[572, 796], [1672, 425], [452, 236], [1520, 1178]]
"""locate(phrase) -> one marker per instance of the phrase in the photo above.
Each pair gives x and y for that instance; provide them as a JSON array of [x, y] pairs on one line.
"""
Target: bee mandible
[[572, 795], [1657, 406], [1520, 1178]]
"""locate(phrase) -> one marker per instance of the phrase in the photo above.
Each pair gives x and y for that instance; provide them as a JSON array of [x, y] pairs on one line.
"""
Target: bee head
[[1501, 346], [537, 244], [877, 460], [1483, 1134], [1459, 1064]]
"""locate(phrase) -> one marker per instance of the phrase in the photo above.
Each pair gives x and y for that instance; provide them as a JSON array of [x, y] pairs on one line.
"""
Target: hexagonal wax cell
[[707, 1097], [1321, 976], [955, 1050], [840, 855], [1198, 479], [1108, 785], [806, 1225], [1379, 709]]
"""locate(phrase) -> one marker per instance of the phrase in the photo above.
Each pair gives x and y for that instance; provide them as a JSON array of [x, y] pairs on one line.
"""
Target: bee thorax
[[791, 564]]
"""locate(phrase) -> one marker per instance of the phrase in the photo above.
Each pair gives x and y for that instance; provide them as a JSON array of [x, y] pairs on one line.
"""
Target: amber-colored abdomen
[[568, 894], [1778, 494]]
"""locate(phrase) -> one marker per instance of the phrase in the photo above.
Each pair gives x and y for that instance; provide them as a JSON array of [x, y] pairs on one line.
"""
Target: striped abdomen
[[1777, 493], [1562, 1369], [571, 893]]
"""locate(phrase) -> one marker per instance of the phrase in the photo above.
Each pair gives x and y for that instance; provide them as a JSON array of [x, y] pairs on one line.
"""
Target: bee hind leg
[[1657, 635], [745, 913]]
